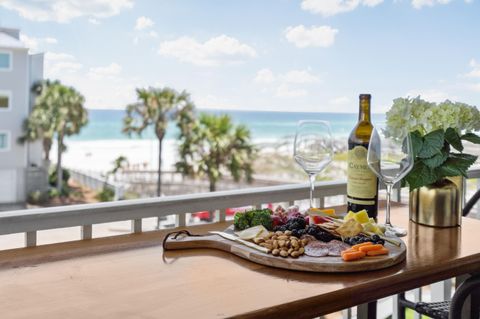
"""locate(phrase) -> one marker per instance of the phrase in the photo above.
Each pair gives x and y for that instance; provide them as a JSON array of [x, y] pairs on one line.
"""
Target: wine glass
[[313, 149], [391, 159]]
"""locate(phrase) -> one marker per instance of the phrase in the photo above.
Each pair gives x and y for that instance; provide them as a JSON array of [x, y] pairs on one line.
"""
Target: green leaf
[[432, 144], [471, 137], [453, 138], [436, 160], [420, 175], [417, 142], [456, 165], [449, 169]]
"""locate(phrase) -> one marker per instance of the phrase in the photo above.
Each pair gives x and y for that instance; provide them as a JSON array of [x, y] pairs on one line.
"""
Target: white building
[[21, 165]]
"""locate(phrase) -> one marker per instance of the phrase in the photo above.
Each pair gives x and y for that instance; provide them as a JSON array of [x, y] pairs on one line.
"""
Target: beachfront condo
[[21, 165]]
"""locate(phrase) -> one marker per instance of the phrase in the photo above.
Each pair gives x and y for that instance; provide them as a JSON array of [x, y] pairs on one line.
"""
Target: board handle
[[183, 239]]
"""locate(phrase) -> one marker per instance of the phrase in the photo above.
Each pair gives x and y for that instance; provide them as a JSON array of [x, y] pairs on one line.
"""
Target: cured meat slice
[[336, 247], [316, 249]]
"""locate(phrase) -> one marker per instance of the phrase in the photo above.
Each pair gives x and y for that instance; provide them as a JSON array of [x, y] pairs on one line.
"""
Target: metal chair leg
[[400, 307], [367, 310], [463, 291]]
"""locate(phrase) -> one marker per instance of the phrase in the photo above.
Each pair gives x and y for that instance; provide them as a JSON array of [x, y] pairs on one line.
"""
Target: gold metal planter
[[439, 204]]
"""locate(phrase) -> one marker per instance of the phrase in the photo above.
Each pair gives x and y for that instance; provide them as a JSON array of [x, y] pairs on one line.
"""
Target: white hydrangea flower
[[411, 114]]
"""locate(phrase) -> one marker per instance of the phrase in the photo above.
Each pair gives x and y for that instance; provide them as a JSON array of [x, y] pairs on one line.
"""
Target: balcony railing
[[31, 221]]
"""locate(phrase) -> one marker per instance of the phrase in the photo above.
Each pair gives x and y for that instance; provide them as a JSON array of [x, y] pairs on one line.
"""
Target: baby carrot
[[357, 246], [353, 255], [382, 251], [351, 250], [370, 248]]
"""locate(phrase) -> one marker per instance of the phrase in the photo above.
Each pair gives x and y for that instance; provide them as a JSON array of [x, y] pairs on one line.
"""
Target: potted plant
[[438, 132]]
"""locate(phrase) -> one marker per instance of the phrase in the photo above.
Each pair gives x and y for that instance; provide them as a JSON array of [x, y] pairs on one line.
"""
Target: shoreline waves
[[102, 140]]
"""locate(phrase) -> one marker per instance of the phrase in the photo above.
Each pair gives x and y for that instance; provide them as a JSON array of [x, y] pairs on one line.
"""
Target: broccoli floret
[[262, 217], [240, 221], [249, 215]]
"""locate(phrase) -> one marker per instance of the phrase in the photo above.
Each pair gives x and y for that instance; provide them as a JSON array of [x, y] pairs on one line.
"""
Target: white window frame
[[9, 95], [9, 142], [10, 55]]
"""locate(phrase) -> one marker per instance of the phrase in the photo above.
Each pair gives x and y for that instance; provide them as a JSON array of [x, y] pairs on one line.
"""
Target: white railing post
[[397, 193], [180, 220], [137, 226], [223, 215], [31, 239], [417, 297], [86, 232], [441, 290]]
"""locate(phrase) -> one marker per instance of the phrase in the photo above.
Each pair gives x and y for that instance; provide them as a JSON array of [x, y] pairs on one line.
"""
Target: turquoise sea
[[107, 124]]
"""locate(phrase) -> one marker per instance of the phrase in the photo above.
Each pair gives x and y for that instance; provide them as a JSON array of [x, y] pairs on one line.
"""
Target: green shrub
[[37, 197], [53, 192], [105, 195], [52, 178]]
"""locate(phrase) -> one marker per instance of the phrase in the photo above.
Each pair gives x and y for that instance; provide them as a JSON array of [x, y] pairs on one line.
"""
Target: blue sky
[[285, 55]]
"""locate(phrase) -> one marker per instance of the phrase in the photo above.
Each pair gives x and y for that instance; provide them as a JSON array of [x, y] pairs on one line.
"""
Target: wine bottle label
[[362, 182], [360, 202]]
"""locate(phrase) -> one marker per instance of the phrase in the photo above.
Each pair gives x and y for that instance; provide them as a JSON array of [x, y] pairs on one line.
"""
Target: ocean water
[[107, 124], [102, 140]]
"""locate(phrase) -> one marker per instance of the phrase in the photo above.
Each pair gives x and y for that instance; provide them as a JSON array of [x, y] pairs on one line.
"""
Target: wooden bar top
[[131, 277]]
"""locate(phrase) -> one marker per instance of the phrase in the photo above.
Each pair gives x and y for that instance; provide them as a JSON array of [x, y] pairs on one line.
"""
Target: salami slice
[[336, 247], [316, 249]]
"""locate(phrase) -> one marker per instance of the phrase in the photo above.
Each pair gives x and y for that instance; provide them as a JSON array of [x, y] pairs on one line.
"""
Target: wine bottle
[[362, 183]]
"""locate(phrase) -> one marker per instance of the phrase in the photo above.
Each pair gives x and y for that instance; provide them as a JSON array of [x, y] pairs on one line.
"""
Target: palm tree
[[39, 125], [59, 112], [213, 146], [69, 115], [156, 107]]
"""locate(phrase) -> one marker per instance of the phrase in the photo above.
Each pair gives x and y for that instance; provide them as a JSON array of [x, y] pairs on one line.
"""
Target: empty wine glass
[[313, 149], [391, 159]]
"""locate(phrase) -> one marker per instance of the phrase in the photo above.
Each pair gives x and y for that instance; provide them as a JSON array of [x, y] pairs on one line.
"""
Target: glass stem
[[312, 187], [387, 213]]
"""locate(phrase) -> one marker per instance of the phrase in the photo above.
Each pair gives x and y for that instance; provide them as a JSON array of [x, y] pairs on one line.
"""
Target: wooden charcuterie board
[[303, 263]]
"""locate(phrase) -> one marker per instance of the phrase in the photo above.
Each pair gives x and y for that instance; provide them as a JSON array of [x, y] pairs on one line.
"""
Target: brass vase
[[439, 204]]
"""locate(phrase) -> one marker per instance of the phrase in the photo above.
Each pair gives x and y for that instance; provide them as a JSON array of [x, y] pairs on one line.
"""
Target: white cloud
[[102, 86], [93, 21], [60, 64], [328, 8], [431, 95], [215, 51], [299, 77], [286, 91], [302, 37], [211, 101], [371, 3], [264, 76], [418, 4], [143, 23], [286, 85], [475, 72], [111, 70], [341, 100], [35, 44], [474, 87], [141, 35], [65, 10]]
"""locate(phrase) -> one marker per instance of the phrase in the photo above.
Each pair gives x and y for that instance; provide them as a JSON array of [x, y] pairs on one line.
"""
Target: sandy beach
[[97, 156]]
